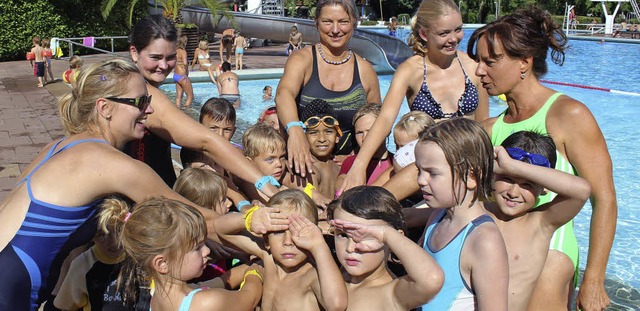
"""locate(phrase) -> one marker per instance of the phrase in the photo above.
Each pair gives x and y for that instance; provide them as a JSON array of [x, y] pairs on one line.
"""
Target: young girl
[[455, 163], [368, 226], [201, 56], [47, 54], [267, 93], [164, 241], [203, 187]]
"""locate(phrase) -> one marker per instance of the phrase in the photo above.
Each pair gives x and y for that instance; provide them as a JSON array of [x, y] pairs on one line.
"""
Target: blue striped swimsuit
[[32, 259]]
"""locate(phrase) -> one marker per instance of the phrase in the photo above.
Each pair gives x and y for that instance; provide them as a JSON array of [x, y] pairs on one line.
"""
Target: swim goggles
[[328, 121], [269, 111], [535, 159], [141, 102]]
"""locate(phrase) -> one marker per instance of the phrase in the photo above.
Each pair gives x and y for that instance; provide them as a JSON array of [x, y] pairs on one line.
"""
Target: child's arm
[[489, 267], [246, 298], [573, 191], [424, 277], [384, 177], [230, 227], [332, 291]]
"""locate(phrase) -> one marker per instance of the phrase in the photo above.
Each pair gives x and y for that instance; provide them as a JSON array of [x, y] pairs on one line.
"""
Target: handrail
[[72, 43]]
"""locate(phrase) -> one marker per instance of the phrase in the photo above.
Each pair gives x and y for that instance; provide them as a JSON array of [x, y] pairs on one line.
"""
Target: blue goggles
[[535, 159]]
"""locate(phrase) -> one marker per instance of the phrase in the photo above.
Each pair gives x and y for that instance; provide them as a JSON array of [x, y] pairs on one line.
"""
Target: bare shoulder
[[363, 64], [488, 124], [485, 239]]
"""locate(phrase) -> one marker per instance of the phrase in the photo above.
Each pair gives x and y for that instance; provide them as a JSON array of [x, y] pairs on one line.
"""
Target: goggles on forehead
[[141, 102], [328, 121], [269, 111], [535, 159]]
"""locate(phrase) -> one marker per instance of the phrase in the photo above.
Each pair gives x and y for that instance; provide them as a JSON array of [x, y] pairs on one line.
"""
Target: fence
[[72, 42]]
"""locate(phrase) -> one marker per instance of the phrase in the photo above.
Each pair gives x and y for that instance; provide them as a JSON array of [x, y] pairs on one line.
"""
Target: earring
[[522, 75]]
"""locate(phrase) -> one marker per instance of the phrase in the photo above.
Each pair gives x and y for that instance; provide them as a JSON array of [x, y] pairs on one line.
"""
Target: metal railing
[[73, 43]]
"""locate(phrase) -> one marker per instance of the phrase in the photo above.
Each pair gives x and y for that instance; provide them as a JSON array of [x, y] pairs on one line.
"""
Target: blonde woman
[[202, 57]]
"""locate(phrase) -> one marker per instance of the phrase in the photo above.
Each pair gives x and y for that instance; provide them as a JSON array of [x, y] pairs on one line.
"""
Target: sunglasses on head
[[535, 159], [141, 102], [328, 121]]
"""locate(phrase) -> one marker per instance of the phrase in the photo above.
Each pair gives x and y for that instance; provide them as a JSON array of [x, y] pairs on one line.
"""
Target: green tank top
[[536, 123]]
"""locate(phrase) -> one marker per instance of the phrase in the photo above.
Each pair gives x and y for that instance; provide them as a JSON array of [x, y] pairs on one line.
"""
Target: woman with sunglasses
[[327, 70], [512, 55], [50, 211], [153, 49]]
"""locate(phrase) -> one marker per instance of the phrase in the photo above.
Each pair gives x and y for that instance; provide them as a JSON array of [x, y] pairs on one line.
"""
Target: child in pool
[[368, 226], [455, 163], [300, 273], [381, 160], [323, 133], [267, 93], [523, 170], [165, 240]]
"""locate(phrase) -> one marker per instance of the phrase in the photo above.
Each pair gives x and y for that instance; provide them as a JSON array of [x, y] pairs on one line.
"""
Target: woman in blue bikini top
[[434, 80], [49, 212]]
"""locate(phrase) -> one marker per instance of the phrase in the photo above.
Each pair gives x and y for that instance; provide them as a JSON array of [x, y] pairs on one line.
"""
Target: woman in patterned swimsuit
[[434, 80]]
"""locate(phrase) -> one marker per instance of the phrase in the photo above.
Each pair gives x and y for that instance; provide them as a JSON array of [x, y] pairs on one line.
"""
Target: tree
[[172, 8]]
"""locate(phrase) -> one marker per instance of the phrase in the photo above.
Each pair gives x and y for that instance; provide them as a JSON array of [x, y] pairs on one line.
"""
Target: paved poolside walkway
[[29, 117]]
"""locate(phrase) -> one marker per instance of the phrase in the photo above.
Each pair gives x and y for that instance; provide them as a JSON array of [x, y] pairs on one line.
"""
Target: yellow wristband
[[248, 216], [250, 272], [308, 189]]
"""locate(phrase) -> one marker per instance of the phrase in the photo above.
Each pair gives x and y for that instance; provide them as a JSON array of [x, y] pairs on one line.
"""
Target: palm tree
[[172, 8]]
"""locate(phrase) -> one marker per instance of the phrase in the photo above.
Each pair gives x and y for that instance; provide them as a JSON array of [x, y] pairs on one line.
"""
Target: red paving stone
[[29, 118]]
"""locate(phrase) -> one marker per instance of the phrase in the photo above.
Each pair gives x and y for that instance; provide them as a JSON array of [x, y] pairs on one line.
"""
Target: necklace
[[324, 58]]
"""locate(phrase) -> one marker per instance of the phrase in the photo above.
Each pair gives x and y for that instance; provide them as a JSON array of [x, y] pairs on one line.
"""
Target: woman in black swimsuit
[[327, 70]]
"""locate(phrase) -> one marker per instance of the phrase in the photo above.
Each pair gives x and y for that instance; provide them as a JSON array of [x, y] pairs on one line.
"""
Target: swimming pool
[[609, 65]]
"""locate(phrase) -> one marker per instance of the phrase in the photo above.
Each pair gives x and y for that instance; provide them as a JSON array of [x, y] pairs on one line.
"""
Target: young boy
[[39, 66], [323, 133], [239, 43], [523, 169], [381, 160], [266, 148], [300, 273]]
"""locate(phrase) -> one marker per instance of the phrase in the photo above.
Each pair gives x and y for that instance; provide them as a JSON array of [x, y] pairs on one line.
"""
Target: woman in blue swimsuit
[[50, 211], [434, 80]]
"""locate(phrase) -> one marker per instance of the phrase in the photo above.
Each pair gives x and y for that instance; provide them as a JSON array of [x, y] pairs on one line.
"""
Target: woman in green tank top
[[511, 53]]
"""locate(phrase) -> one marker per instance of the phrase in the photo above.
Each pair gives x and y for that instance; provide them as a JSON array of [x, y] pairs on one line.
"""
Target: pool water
[[609, 65]]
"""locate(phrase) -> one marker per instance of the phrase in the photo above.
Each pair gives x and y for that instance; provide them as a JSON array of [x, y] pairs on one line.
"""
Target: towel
[[55, 46], [88, 41]]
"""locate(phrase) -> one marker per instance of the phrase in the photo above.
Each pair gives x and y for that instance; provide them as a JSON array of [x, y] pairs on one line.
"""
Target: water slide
[[383, 51]]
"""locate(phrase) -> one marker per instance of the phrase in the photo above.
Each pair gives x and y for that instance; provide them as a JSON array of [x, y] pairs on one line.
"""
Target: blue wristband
[[264, 180], [242, 203], [294, 123]]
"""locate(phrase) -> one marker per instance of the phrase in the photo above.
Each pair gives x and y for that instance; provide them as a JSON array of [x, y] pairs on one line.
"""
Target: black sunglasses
[[141, 102]]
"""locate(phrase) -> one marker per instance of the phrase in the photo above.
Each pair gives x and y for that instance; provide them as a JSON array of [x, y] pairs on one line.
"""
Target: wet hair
[[370, 202], [182, 42], [294, 201], [261, 138], [156, 226], [99, 80], [316, 108], [76, 61], [45, 43], [201, 186], [468, 150], [266, 87], [226, 66], [414, 122], [35, 40], [348, 5], [428, 11], [372, 109], [533, 142], [218, 109], [203, 45], [527, 32], [152, 27]]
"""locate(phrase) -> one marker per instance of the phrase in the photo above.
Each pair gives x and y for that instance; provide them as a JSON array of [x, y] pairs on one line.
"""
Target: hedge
[[21, 20]]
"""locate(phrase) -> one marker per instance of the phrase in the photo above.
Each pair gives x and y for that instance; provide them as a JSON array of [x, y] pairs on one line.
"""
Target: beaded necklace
[[324, 58]]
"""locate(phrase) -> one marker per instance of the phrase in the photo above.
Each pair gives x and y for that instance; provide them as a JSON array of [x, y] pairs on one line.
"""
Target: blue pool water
[[610, 65]]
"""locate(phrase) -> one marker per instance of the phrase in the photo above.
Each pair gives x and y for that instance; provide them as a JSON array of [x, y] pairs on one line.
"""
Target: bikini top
[[201, 56], [52, 224], [467, 103]]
